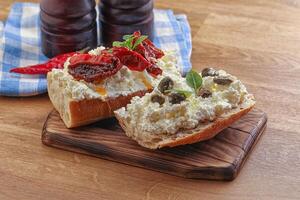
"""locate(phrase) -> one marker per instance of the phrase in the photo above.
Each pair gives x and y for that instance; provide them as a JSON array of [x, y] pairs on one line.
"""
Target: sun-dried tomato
[[150, 53], [147, 48], [154, 70], [80, 58], [93, 68], [131, 59]]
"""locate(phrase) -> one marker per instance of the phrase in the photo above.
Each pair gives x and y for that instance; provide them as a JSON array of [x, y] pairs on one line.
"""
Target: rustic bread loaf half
[[77, 112], [203, 131], [80, 102]]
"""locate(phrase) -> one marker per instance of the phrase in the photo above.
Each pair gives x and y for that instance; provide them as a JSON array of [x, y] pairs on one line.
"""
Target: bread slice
[[203, 131], [76, 113]]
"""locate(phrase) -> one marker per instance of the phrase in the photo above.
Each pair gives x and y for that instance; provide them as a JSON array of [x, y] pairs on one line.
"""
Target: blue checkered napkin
[[172, 32], [20, 45]]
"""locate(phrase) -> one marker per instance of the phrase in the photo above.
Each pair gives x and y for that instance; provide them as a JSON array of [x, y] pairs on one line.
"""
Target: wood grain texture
[[259, 41], [220, 158]]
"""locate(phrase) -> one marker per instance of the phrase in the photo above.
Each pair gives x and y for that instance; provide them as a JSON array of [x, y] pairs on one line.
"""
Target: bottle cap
[[125, 4], [112, 32], [125, 17], [67, 8]]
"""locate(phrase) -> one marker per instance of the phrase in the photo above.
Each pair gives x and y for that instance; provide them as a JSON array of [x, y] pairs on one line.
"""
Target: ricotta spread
[[151, 117]]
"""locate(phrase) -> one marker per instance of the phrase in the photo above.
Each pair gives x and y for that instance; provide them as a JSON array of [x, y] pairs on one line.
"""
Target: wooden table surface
[[258, 41]]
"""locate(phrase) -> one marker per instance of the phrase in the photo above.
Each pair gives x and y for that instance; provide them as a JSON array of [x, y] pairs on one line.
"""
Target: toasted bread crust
[[91, 110], [76, 113]]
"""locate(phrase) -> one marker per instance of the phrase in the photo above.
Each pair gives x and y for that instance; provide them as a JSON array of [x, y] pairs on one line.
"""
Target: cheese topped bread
[[92, 85], [80, 102], [177, 113]]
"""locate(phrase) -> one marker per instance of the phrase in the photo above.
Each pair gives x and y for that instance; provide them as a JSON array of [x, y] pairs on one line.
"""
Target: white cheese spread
[[151, 117]]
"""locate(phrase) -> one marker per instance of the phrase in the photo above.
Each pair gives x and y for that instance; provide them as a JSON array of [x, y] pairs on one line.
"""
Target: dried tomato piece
[[150, 52], [93, 68], [147, 48], [154, 70], [80, 58], [131, 59]]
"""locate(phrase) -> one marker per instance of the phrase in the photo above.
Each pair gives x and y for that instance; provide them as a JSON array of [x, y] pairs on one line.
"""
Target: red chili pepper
[[56, 62], [131, 59]]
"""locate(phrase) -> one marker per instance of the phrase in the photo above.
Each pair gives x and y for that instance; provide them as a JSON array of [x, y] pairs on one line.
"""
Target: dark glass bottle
[[67, 26], [121, 17]]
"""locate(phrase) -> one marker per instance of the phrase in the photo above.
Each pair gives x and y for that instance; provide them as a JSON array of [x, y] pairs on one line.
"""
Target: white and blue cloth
[[20, 46]]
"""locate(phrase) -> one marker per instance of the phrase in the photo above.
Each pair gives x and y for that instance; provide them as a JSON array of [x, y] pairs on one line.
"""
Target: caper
[[157, 98], [165, 85], [223, 80], [204, 93], [209, 72], [176, 98]]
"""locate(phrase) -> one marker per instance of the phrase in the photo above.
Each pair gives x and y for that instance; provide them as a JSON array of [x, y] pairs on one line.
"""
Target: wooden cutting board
[[220, 158]]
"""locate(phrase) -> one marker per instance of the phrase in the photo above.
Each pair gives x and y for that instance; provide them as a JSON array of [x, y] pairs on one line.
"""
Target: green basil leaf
[[194, 80], [139, 41], [129, 43], [117, 44], [126, 37]]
